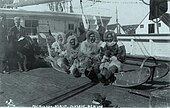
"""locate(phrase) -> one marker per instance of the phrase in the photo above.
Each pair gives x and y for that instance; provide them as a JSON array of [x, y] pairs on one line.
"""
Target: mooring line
[[67, 95]]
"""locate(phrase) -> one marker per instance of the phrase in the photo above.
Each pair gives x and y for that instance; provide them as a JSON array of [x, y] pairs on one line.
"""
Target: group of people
[[97, 59]]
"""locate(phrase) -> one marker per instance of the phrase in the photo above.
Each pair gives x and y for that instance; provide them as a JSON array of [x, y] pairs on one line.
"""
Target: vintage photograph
[[85, 53]]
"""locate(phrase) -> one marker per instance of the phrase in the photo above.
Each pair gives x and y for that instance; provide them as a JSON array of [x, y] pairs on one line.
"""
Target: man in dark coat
[[16, 34]]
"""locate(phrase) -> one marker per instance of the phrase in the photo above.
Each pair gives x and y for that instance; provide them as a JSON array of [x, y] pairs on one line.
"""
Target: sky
[[129, 11]]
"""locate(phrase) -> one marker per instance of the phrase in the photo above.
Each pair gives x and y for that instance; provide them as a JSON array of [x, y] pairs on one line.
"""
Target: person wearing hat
[[72, 55], [89, 48], [16, 33], [113, 55], [59, 52]]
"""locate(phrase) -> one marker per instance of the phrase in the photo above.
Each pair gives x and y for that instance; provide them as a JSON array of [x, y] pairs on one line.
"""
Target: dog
[[25, 49]]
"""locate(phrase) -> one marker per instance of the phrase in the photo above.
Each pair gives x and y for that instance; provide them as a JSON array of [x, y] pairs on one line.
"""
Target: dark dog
[[25, 50], [22, 62]]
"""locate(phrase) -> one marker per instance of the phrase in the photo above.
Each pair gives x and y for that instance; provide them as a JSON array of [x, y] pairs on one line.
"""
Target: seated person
[[72, 51], [59, 43], [113, 54], [79, 65], [59, 52], [89, 46], [90, 50], [77, 60]]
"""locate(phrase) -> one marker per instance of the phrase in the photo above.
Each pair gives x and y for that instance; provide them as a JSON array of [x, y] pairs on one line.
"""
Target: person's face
[[60, 39], [92, 38], [109, 38], [72, 42], [17, 22]]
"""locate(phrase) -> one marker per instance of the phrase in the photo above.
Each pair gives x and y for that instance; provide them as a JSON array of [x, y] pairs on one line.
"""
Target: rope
[[140, 38], [166, 19], [141, 48], [84, 18]]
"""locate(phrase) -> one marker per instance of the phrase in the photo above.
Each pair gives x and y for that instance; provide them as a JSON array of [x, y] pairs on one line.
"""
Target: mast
[[117, 22]]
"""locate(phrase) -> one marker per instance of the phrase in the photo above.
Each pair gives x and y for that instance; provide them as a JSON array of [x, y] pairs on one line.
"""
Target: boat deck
[[37, 86]]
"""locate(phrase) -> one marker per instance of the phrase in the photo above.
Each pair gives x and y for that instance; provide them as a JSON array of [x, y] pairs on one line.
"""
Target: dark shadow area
[[39, 63], [107, 103], [143, 87], [158, 82], [152, 85]]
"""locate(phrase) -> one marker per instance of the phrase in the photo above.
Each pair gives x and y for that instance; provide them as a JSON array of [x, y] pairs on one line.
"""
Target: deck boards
[[39, 85]]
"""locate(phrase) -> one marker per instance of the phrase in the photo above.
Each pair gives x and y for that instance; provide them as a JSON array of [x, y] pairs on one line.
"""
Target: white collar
[[18, 27]]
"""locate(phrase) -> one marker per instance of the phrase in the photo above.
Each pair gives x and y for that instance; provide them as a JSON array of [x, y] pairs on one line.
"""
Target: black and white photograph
[[85, 53]]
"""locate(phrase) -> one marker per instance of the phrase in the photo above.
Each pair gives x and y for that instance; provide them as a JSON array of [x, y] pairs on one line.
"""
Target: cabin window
[[151, 28], [31, 26], [70, 26], [142, 26], [159, 24]]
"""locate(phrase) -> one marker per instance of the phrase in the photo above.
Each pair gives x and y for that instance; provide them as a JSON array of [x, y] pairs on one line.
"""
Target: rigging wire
[[141, 48], [166, 19], [119, 2], [140, 37], [106, 2]]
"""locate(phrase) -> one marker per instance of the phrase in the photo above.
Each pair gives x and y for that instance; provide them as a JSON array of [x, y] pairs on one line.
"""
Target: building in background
[[156, 22], [150, 27]]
